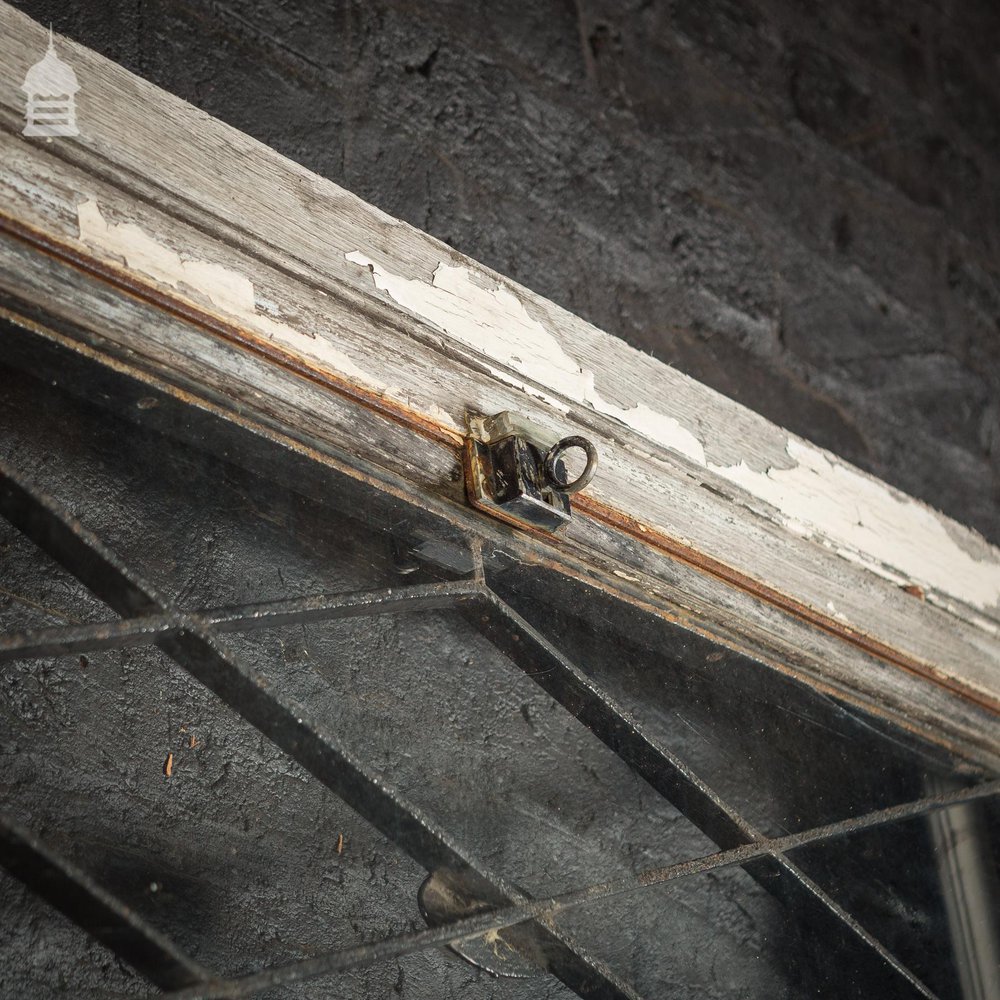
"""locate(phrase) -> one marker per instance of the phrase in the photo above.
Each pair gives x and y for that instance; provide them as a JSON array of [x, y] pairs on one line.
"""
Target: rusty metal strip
[[713, 567]]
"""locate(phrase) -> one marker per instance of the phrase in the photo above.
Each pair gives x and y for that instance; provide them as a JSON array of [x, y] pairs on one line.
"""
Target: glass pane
[[786, 756], [928, 889], [397, 688], [721, 934]]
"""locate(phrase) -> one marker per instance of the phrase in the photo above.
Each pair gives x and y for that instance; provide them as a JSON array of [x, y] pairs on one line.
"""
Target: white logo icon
[[51, 87]]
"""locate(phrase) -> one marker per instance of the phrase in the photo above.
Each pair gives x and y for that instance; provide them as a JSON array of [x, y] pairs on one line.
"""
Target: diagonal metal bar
[[503, 917], [669, 775], [107, 918], [148, 629], [89, 638], [194, 647]]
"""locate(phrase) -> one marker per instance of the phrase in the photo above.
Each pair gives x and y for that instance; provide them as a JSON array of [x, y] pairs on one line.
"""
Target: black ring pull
[[549, 464]]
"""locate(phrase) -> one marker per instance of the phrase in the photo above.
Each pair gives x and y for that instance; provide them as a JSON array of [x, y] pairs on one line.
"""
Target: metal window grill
[[530, 927]]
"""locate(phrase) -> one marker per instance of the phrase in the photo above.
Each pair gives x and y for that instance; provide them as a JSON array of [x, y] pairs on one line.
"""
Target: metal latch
[[515, 471]]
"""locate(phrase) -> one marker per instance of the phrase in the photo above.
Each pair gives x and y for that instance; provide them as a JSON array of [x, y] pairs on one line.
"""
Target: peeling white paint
[[860, 518], [494, 322], [222, 286], [228, 290], [987, 625], [839, 615], [868, 519]]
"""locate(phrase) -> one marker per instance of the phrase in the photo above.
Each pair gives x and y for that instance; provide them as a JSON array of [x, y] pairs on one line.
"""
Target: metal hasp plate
[[515, 471]]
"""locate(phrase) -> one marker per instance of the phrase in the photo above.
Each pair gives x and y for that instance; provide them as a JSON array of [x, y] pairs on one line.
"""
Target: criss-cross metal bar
[[498, 919], [147, 629], [525, 646], [194, 647], [76, 895], [189, 638], [107, 918]]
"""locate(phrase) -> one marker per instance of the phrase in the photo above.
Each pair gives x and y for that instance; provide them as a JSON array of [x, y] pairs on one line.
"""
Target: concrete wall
[[796, 203]]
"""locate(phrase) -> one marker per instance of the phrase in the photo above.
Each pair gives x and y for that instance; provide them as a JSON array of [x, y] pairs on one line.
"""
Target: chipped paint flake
[[839, 615], [896, 536], [228, 290], [494, 321], [222, 286]]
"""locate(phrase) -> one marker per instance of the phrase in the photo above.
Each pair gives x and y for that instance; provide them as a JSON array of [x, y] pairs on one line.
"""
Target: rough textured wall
[[797, 203]]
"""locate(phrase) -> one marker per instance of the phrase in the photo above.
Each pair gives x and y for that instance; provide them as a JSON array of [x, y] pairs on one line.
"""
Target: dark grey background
[[796, 203]]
